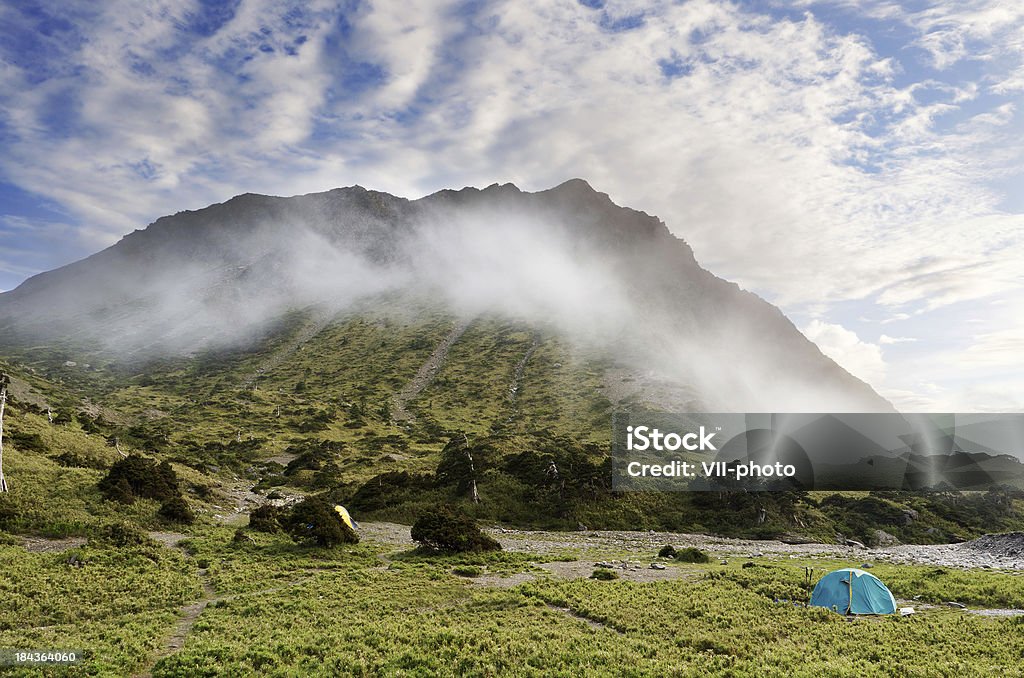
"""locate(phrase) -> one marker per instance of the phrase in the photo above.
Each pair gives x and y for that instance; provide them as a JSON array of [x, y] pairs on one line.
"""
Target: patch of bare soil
[[998, 552], [502, 581], [282, 459], [627, 570], [240, 502], [43, 545], [992, 552], [168, 539], [426, 374], [391, 534], [590, 621], [996, 612]]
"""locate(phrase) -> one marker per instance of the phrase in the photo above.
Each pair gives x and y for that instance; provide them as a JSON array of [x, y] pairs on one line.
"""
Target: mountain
[[613, 283], [469, 347]]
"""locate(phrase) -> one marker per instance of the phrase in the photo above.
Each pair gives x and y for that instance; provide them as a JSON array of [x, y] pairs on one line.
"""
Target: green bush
[[312, 455], [315, 521], [122, 534], [667, 551], [137, 477], [451, 531], [74, 460], [692, 555], [467, 571], [604, 574], [266, 518], [390, 489], [177, 510], [27, 442]]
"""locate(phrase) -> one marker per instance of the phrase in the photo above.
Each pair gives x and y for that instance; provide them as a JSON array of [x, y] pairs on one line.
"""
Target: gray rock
[[883, 538], [657, 566], [854, 542]]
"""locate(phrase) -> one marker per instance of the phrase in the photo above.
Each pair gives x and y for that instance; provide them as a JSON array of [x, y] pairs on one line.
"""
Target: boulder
[[883, 538]]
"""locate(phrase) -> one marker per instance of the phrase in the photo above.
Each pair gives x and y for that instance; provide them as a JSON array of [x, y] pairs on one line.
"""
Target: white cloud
[[860, 358], [885, 339], [794, 157]]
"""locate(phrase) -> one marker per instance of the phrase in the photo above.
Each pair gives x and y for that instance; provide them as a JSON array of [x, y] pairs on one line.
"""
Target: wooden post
[[474, 495], [4, 381]]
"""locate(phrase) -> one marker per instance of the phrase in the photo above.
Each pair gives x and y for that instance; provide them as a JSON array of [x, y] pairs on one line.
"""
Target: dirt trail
[[314, 327], [188, 614], [591, 622], [187, 619], [426, 374], [44, 545], [517, 376]]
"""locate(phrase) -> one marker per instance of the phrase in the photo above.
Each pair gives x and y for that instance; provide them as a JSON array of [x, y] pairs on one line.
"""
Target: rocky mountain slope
[[567, 263]]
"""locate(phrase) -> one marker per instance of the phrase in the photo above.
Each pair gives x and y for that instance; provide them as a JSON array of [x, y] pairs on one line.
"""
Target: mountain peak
[[567, 257], [575, 184]]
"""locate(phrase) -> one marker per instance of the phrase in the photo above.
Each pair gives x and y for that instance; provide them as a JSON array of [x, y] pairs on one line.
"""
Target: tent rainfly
[[345, 517], [852, 591]]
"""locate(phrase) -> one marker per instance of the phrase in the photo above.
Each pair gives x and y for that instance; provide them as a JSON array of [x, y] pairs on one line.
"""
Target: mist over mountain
[[566, 262]]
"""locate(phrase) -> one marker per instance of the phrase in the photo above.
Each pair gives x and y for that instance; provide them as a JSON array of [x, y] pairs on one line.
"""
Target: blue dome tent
[[851, 591]]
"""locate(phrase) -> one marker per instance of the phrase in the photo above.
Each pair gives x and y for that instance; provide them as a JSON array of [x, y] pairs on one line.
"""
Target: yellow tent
[[343, 512]]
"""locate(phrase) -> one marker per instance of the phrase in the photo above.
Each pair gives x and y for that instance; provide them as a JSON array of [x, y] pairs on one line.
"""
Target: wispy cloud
[[885, 339]]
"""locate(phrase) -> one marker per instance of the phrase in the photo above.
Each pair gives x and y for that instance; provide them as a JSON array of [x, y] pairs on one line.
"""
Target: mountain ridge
[[569, 255]]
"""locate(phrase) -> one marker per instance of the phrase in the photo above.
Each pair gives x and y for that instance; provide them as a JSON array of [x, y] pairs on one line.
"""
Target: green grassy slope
[[347, 398]]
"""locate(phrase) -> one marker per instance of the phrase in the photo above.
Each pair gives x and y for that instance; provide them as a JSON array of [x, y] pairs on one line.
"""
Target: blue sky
[[858, 162]]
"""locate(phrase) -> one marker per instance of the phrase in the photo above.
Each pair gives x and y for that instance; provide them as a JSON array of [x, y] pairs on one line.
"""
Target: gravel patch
[[43, 545], [1002, 552]]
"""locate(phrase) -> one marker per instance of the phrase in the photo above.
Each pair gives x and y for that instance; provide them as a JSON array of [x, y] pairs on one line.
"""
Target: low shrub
[[604, 574], [177, 510], [692, 555], [266, 518], [314, 521], [121, 535], [74, 460], [451, 531]]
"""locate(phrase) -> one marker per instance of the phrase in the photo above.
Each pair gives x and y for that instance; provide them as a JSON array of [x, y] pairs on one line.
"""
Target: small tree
[[4, 382], [137, 477], [315, 521], [452, 531], [458, 468]]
